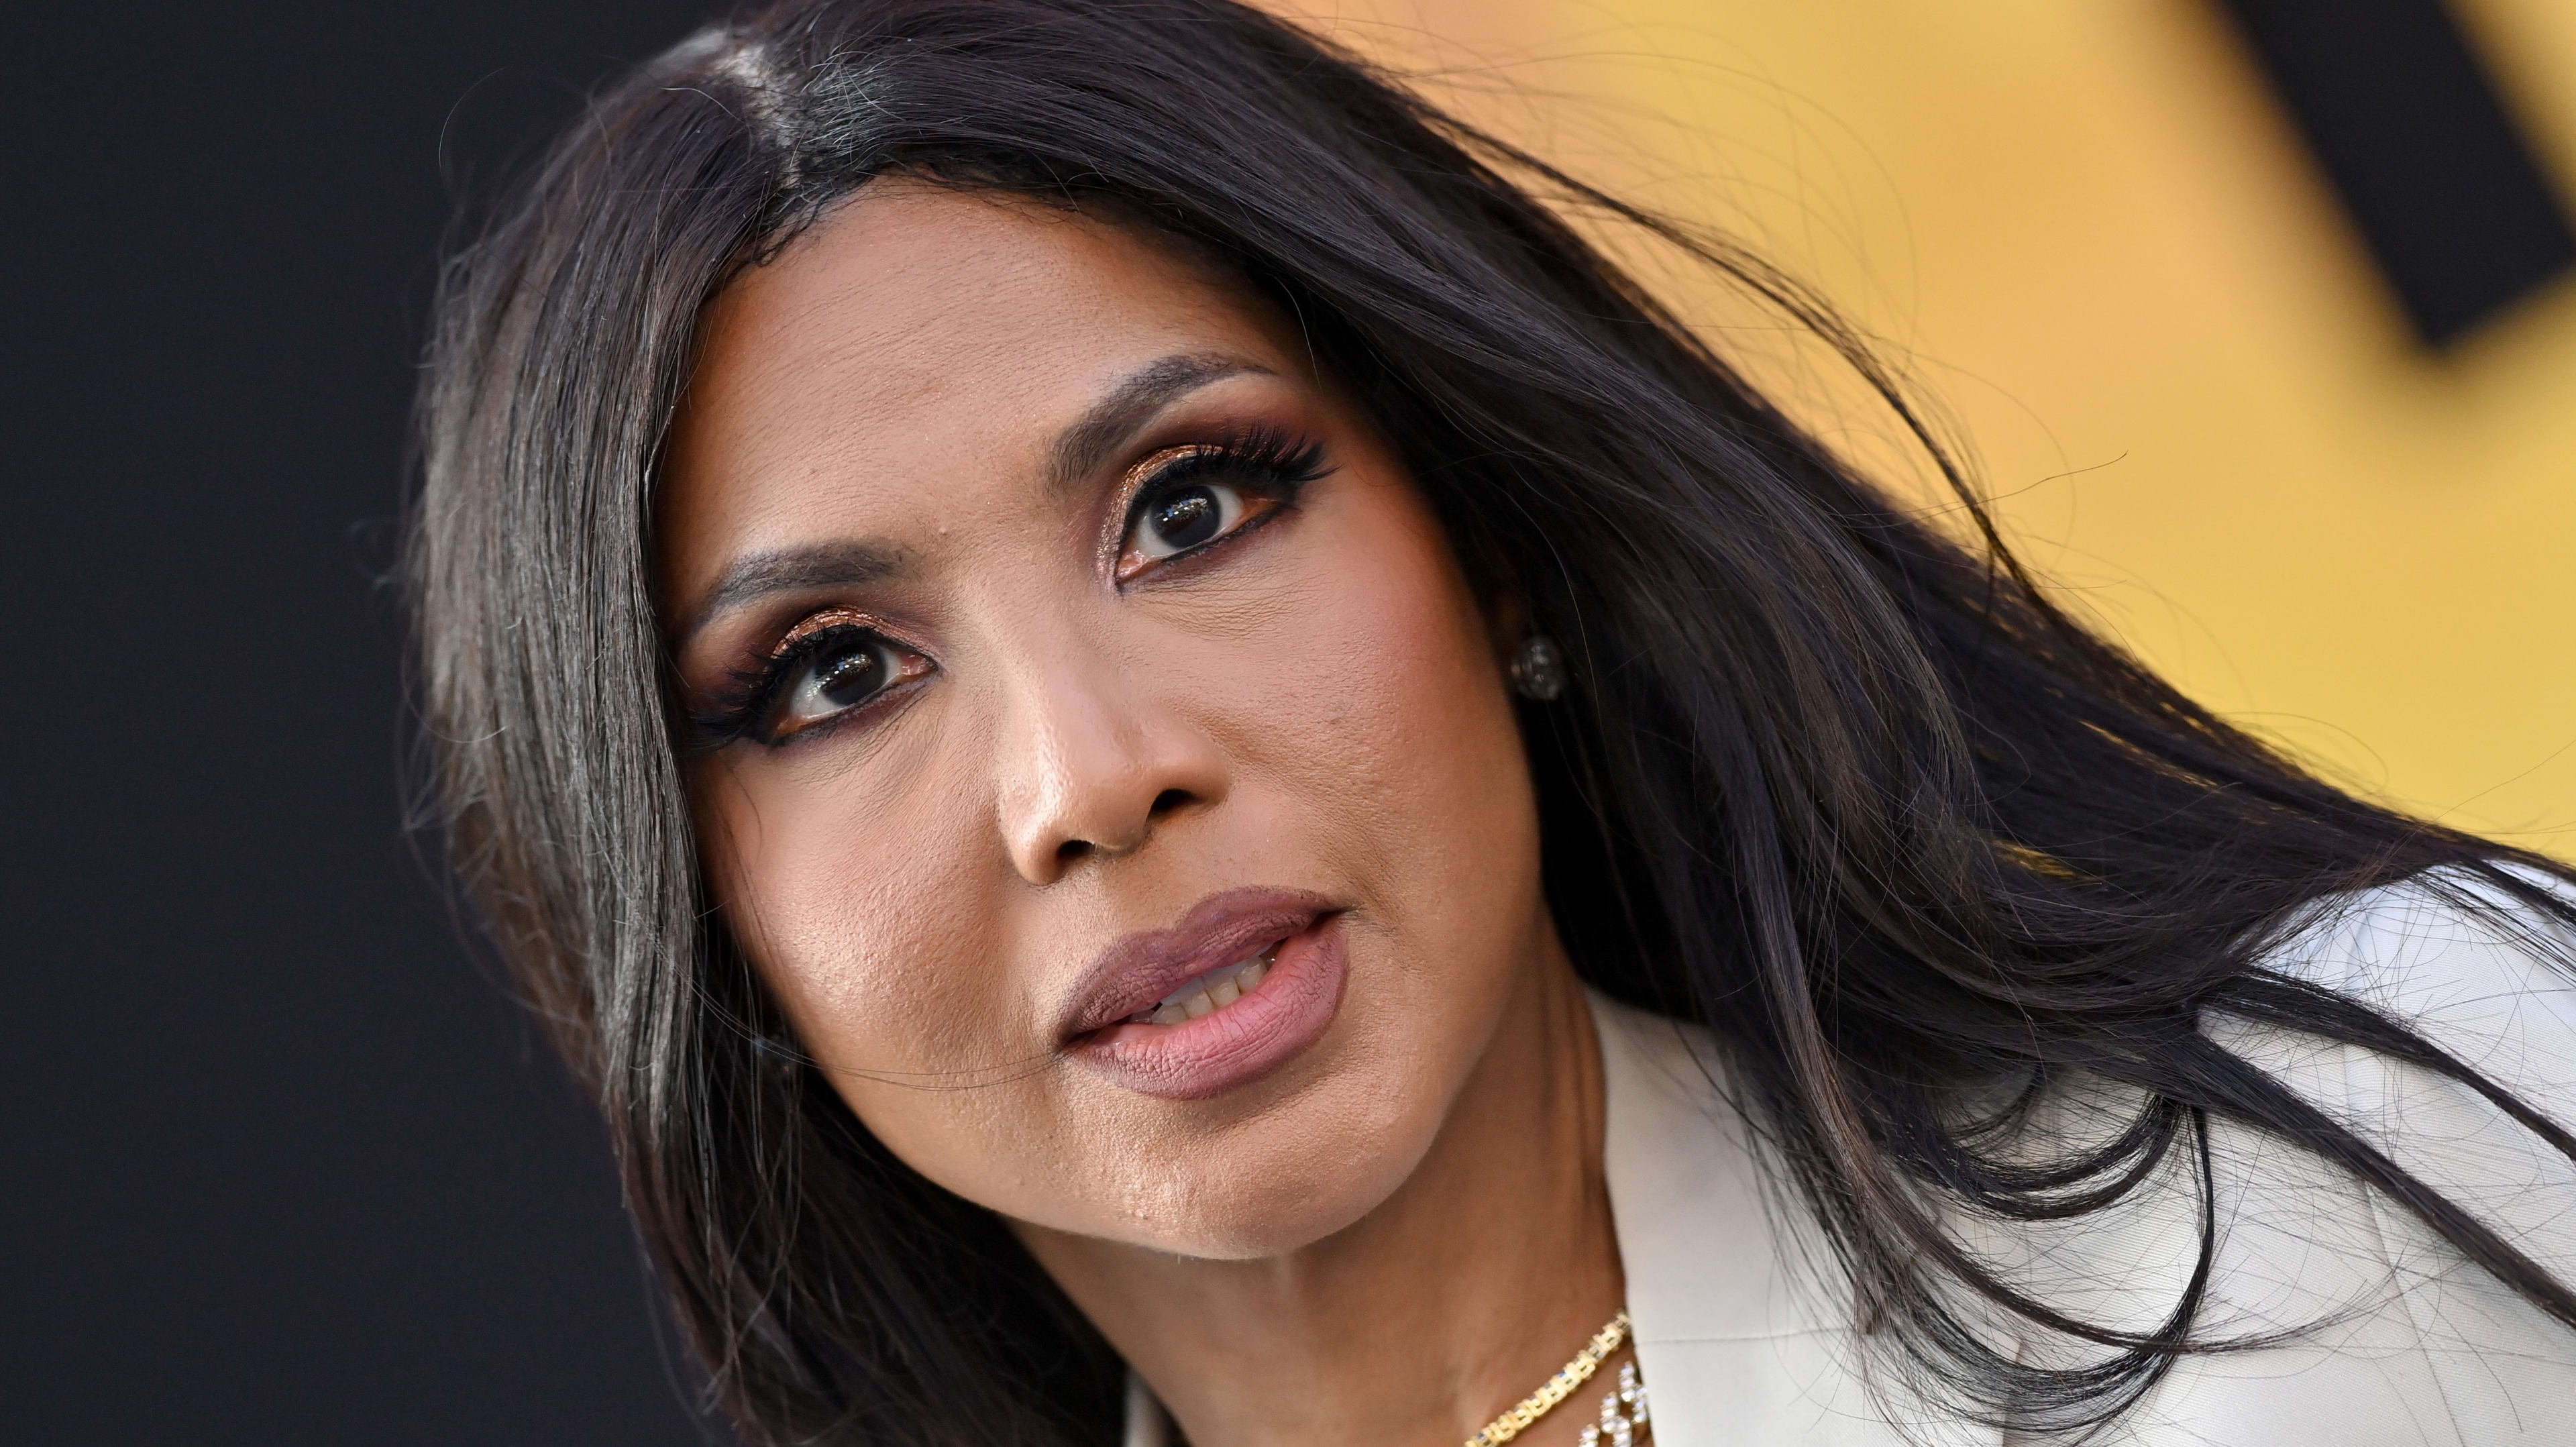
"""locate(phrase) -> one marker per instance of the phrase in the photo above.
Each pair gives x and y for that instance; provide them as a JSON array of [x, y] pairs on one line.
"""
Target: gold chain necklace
[[1623, 1412]]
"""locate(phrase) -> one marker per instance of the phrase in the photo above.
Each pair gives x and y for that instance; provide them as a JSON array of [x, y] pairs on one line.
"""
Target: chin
[[1279, 1187], [1263, 1223]]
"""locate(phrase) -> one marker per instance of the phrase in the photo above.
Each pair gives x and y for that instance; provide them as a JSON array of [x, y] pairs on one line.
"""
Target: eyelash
[[743, 710], [1262, 456]]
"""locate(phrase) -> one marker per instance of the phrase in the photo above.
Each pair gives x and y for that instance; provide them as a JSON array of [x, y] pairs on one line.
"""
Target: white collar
[[1701, 1229], [1743, 1334]]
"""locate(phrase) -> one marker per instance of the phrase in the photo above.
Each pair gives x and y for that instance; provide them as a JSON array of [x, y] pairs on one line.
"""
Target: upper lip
[[1137, 970]]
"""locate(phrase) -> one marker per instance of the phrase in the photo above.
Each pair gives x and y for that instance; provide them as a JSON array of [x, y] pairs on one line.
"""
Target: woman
[[1174, 764]]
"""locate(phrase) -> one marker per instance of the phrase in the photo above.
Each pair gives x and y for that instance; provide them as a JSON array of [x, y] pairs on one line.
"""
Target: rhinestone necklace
[[1623, 1423]]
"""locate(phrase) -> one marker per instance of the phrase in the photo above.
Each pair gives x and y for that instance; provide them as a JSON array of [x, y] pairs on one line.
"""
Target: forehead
[[916, 340]]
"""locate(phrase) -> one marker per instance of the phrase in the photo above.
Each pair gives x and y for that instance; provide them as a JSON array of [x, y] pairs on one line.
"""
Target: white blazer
[[1746, 1337]]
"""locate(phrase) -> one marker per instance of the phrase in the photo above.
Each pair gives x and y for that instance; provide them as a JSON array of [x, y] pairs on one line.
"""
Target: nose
[[1091, 761]]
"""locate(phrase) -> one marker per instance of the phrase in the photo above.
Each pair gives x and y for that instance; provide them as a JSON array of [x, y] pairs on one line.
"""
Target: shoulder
[[2358, 1326], [2388, 1334], [2478, 971], [2453, 952]]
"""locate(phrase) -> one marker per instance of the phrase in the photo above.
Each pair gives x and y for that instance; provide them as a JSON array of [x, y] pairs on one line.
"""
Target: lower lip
[[1236, 1044]]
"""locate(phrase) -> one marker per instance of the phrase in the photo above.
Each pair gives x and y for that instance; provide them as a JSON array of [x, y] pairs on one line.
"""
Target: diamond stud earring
[[1538, 669]]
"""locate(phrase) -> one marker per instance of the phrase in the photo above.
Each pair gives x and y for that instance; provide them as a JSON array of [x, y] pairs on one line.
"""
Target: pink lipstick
[[1242, 985]]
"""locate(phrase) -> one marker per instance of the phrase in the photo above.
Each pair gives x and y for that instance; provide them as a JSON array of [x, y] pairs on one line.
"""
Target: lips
[[1243, 984]]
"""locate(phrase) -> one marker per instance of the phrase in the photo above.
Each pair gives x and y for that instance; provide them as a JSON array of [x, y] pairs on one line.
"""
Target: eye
[[1199, 495], [840, 669], [1185, 517], [832, 666]]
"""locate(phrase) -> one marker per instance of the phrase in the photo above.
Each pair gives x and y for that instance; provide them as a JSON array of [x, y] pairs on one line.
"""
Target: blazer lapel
[[1742, 1337]]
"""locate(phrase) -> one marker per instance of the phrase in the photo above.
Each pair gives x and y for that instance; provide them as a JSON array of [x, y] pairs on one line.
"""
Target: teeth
[[1214, 990]]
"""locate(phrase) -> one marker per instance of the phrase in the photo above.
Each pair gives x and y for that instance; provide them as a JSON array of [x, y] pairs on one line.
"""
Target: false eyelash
[[1279, 458], [1272, 456], [738, 711]]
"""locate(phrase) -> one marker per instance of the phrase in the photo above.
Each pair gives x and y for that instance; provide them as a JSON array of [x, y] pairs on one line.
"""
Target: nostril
[[1078, 848]]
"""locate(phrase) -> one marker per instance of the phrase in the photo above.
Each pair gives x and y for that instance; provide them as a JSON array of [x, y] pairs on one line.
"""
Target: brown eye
[[1187, 517], [844, 669], [1195, 497], [850, 677]]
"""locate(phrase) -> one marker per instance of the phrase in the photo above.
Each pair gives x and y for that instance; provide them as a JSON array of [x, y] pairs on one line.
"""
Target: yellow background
[[2089, 232]]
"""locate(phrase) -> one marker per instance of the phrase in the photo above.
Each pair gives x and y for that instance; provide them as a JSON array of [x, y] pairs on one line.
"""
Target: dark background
[[279, 1162]]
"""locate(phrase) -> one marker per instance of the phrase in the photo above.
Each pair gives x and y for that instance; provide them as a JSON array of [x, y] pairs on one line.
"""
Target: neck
[[1455, 1298]]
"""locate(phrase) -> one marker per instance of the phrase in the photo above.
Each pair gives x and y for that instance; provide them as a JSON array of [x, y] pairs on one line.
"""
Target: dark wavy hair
[[1848, 791]]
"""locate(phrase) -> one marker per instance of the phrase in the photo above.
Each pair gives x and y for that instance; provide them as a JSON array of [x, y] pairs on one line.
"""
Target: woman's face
[[1099, 752]]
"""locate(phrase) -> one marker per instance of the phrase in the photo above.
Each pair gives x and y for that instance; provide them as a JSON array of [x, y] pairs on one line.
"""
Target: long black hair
[[1844, 788]]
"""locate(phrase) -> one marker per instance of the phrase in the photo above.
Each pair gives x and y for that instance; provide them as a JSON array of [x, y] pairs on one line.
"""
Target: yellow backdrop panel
[[2090, 233]]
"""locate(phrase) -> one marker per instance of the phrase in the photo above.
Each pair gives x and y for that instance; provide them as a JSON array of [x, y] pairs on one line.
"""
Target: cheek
[[849, 907], [1411, 754], [865, 918]]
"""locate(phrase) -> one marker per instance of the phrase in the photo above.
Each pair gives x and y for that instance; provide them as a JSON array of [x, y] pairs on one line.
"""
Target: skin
[[1402, 1229]]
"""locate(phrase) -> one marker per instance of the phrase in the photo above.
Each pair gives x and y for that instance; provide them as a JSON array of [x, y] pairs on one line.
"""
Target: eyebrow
[[842, 563], [1081, 449], [1084, 447]]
